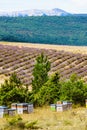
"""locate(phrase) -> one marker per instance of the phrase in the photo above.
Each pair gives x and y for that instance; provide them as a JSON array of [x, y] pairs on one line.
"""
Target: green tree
[[74, 89], [49, 92], [40, 72], [12, 91]]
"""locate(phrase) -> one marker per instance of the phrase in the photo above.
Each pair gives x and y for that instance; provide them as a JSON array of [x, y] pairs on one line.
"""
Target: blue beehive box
[[3, 111]]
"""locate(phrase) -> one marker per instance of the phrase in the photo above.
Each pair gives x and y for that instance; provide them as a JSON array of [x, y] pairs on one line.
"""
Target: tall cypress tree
[[40, 72]]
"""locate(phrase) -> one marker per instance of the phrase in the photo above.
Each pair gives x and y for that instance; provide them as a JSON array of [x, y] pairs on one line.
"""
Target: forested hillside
[[68, 30]]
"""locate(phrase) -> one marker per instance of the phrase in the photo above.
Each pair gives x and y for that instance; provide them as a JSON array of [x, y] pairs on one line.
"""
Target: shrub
[[74, 89], [12, 91]]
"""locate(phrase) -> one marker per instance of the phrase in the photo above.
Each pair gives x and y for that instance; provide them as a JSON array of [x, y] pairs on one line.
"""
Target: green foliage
[[17, 122], [74, 89], [14, 120], [46, 90], [31, 125], [40, 72], [49, 92], [15, 80], [12, 91], [69, 30]]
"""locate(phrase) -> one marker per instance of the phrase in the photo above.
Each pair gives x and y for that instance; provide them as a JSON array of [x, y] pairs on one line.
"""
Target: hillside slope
[[64, 30], [21, 60]]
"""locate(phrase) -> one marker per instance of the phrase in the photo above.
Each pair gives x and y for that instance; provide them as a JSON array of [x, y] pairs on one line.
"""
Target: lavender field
[[22, 59]]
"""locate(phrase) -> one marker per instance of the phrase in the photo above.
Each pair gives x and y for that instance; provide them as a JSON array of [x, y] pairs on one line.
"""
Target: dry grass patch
[[75, 119], [74, 49], [2, 79]]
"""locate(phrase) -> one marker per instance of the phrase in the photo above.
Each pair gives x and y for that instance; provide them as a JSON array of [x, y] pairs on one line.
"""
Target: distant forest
[[63, 30]]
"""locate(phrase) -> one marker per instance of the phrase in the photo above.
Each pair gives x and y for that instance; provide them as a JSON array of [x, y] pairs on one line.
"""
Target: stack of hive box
[[22, 107], [19, 108], [61, 106]]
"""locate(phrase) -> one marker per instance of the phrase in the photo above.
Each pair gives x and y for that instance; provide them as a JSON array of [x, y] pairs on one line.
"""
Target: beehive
[[61, 107], [3, 111], [68, 103], [11, 112], [30, 108], [14, 106], [22, 108], [53, 107]]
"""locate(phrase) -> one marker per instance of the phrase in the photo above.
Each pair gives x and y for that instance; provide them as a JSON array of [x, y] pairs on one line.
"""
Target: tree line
[[65, 30]]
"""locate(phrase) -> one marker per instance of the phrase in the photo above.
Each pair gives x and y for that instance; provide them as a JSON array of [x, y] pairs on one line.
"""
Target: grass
[[75, 119]]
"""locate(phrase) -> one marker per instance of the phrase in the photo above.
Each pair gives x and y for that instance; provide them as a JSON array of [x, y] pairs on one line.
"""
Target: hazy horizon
[[71, 6]]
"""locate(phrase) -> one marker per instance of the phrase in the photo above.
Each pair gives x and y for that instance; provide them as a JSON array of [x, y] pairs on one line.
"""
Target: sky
[[71, 6]]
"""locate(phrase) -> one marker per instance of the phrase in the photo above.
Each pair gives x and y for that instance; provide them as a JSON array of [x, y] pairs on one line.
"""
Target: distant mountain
[[36, 12]]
